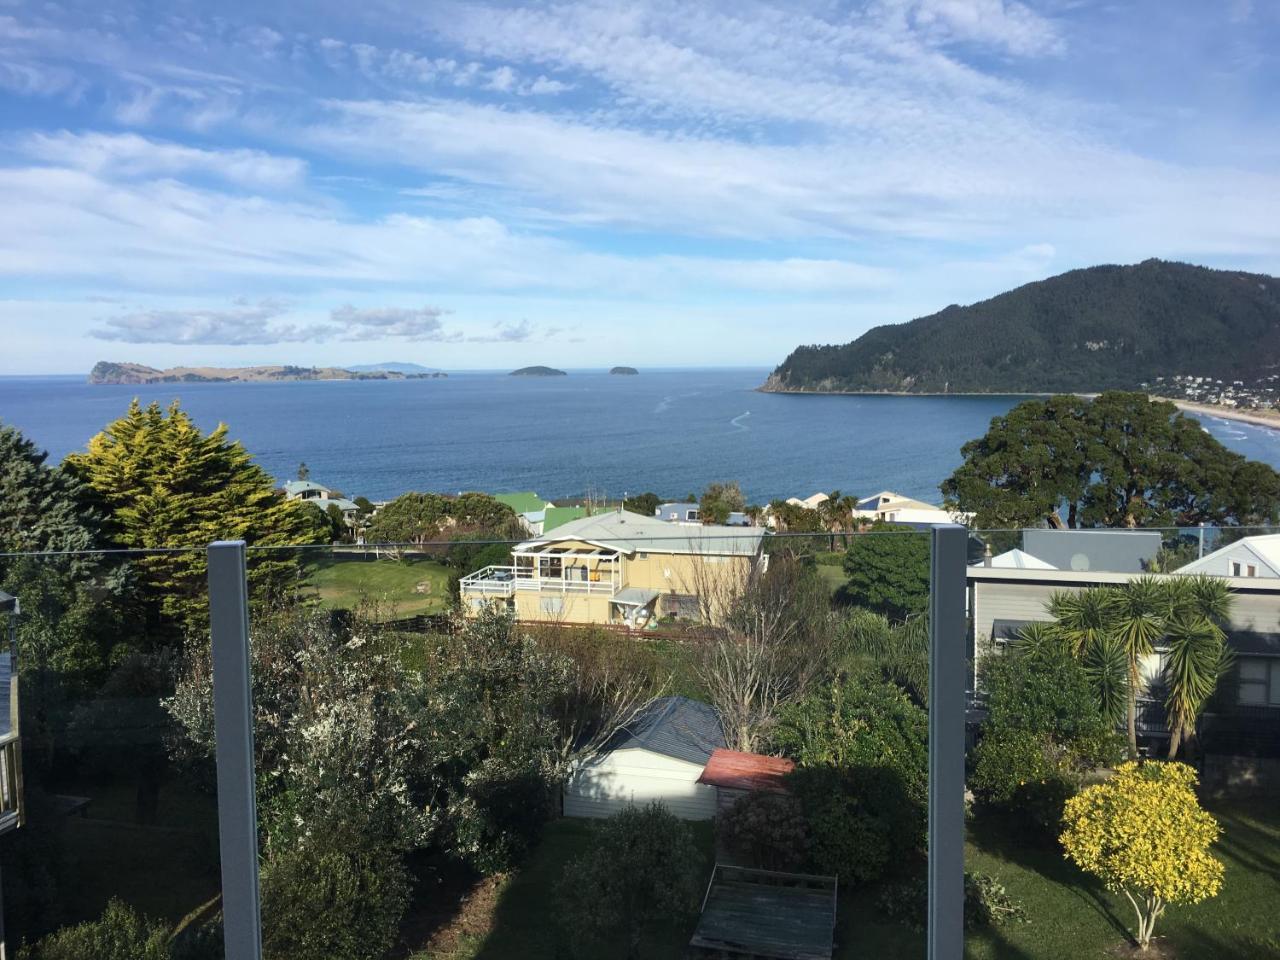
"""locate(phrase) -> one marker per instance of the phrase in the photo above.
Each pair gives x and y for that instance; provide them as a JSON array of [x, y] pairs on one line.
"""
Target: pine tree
[[164, 484]]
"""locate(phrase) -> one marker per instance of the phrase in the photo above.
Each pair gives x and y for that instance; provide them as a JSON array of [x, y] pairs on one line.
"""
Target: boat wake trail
[[737, 423]]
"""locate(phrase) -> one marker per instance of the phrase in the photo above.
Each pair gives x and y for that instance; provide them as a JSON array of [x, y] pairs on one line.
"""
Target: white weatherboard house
[[1248, 557], [657, 756]]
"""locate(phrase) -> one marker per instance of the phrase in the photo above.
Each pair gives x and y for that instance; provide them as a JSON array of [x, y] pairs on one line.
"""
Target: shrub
[[120, 934], [1043, 733], [766, 828], [641, 868], [986, 903], [861, 748], [845, 839], [1144, 834], [327, 899]]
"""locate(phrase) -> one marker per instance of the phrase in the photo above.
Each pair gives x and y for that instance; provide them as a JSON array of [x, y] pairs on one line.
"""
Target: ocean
[[669, 431]]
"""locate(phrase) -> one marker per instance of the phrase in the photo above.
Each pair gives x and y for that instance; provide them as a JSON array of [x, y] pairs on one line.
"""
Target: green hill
[[1100, 328]]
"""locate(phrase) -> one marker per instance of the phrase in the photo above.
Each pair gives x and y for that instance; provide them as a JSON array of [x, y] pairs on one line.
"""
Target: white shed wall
[[609, 782]]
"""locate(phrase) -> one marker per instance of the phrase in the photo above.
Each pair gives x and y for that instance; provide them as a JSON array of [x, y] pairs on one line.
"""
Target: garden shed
[[734, 775], [659, 755]]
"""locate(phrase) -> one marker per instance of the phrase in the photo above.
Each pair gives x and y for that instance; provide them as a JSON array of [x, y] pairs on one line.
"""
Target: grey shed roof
[[674, 727], [1112, 551]]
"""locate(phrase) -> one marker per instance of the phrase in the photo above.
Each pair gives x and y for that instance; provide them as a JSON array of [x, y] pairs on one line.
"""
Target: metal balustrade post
[[947, 676], [233, 731]]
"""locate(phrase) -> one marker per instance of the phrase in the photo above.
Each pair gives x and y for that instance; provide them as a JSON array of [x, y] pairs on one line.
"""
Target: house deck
[[766, 915]]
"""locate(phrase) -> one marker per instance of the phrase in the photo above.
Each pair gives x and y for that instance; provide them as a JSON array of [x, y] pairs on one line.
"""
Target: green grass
[[1075, 917], [1072, 917], [392, 584], [833, 577]]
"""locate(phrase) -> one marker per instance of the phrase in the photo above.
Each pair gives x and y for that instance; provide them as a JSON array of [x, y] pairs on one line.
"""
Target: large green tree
[[888, 568], [163, 484], [1118, 460], [423, 518], [41, 507]]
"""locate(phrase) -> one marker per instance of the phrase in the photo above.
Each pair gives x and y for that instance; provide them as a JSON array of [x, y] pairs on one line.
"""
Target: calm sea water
[[667, 431]]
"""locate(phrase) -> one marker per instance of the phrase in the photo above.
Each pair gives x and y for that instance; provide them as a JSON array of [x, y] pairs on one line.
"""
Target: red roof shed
[[746, 771]]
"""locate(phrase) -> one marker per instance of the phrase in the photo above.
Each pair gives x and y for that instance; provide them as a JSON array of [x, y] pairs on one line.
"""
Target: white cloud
[[249, 324], [129, 155]]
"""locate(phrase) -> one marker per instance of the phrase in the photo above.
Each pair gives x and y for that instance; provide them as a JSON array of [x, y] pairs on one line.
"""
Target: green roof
[[525, 501], [556, 516]]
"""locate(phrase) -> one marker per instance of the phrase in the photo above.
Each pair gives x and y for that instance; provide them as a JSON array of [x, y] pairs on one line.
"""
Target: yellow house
[[616, 568]]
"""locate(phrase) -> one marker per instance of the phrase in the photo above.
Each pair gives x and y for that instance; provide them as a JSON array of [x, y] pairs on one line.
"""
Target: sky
[[486, 185]]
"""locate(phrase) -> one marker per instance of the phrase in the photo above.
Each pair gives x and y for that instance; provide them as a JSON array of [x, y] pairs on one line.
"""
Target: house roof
[[8, 602], [1114, 551], [1019, 560], [554, 517], [634, 597], [523, 501], [888, 500], [1266, 547], [630, 533], [295, 487], [746, 771], [675, 727]]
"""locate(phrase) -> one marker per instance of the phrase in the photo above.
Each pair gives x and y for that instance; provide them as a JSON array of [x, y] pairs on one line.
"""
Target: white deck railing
[[499, 581]]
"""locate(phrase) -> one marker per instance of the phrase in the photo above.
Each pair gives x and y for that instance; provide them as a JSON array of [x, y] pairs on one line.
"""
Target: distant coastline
[[1259, 418], [135, 374]]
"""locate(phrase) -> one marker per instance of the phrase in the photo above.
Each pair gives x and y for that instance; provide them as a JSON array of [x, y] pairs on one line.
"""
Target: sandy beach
[[1256, 417]]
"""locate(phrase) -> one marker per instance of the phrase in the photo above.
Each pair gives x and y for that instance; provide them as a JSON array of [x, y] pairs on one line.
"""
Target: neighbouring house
[[305, 490], [523, 501], [1257, 556], [889, 507], [539, 522], [1004, 600], [616, 568], [677, 512], [1015, 559], [735, 774], [659, 755], [811, 502]]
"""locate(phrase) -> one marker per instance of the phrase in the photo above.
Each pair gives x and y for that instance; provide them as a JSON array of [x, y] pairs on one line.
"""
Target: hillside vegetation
[[1100, 328]]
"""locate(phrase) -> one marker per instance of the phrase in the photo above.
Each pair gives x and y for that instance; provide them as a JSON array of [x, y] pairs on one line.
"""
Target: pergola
[[548, 561]]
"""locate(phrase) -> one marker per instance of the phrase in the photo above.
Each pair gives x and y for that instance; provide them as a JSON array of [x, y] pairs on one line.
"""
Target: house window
[[1235, 568], [1251, 571], [691, 515], [1259, 682], [642, 556]]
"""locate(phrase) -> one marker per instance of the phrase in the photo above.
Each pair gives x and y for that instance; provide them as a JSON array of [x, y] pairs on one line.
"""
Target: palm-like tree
[[1198, 654], [1141, 611], [1083, 616]]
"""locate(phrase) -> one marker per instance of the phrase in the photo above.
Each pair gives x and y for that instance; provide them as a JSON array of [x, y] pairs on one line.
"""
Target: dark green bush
[[331, 900], [767, 829], [120, 934], [986, 903]]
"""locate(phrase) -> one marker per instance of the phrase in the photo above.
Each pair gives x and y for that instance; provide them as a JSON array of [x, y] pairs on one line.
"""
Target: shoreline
[[1254, 417], [1258, 419]]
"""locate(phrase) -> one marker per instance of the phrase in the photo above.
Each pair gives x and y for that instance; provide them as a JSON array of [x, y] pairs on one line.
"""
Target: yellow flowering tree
[[1144, 834]]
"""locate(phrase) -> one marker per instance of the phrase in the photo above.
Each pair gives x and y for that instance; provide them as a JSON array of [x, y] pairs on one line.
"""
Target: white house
[[305, 490], [1248, 557], [657, 756]]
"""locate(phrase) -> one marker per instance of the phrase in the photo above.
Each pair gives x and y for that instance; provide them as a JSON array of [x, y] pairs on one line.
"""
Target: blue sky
[[474, 185]]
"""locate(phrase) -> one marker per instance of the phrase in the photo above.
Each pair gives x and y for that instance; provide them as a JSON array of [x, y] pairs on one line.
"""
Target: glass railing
[[114, 837], [468, 748]]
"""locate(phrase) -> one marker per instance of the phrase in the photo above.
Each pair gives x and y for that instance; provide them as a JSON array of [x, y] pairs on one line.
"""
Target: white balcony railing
[[498, 581]]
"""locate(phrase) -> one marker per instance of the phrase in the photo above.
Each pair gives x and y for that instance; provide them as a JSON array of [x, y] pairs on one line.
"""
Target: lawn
[[1071, 917], [407, 588]]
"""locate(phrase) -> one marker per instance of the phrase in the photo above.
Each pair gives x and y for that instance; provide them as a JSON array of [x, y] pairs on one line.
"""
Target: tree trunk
[[1133, 723], [1175, 740]]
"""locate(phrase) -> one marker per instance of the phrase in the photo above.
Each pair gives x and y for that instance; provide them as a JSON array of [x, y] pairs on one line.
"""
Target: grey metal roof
[[674, 727], [301, 486], [1113, 551], [630, 533], [634, 597], [8, 602]]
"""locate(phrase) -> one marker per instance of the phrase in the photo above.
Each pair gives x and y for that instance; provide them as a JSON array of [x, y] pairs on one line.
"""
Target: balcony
[[505, 581]]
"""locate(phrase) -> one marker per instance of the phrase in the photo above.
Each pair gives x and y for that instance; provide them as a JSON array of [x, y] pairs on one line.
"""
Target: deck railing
[[10, 783], [503, 581]]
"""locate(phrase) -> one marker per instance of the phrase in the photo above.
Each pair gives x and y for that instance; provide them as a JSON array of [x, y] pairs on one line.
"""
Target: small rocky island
[[538, 372], [624, 371]]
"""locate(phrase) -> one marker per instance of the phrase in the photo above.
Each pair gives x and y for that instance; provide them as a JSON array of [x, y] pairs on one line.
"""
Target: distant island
[[1099, 328], [408, 369], [137, 373], [538, 372], [625, 371]]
